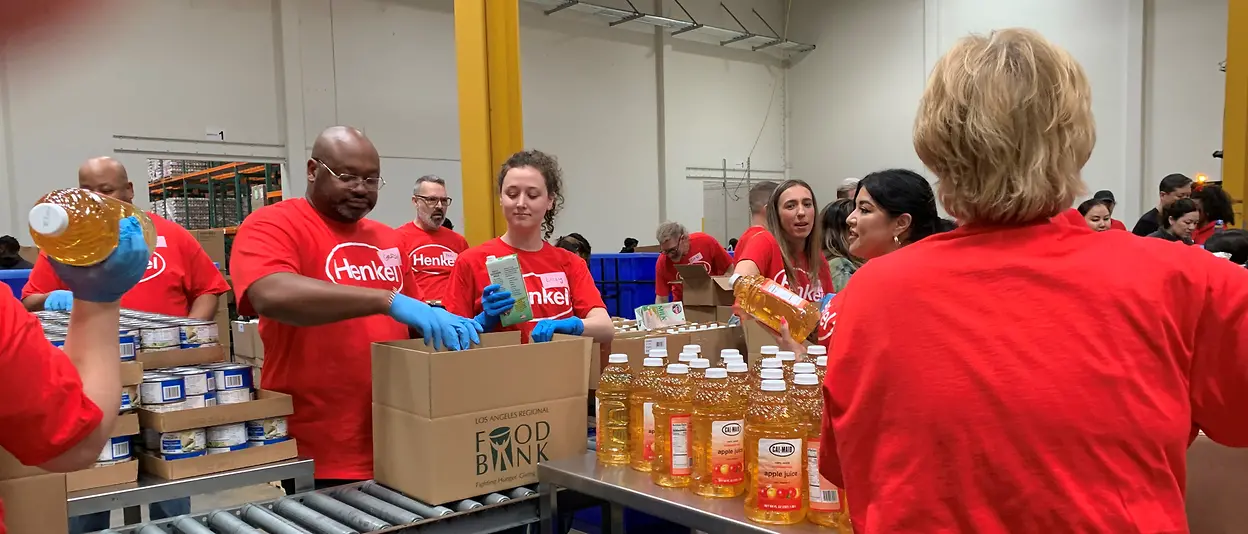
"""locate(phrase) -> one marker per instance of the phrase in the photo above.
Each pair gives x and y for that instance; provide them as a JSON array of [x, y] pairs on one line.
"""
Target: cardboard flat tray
[[176, 357], [267, 404], [99, 477], [217, 463]]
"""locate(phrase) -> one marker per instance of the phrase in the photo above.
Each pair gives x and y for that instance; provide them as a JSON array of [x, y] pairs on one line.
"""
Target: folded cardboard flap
[[172, 358], [217, 463], [702, 289], [35, 504], [267, 404], [131, 373], [126, 425]]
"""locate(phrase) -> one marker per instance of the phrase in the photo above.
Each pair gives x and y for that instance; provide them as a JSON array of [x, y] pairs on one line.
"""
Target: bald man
[[180, 280], [327, 283]]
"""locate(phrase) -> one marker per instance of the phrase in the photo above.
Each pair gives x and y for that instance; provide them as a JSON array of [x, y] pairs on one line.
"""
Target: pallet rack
[[228, 182]]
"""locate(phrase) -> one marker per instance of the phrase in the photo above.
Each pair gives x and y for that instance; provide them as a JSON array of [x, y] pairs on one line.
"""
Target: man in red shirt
[[328, 283], [759, 195], [679, 247], [431, 248]]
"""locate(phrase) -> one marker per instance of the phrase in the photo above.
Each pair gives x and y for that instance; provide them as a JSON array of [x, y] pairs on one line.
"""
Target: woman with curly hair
[[561, 291]]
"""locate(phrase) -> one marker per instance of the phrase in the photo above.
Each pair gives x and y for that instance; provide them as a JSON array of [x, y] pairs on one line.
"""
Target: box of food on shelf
[[35, 504], [116, 464], [207, 464]]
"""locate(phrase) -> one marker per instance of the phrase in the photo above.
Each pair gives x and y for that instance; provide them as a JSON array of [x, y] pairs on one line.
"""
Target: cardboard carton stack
[[248, 347]]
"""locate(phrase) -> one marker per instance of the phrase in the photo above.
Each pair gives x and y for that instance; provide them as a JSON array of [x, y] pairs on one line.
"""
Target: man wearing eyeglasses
[[431, 248], [679, 247], [327, 283]]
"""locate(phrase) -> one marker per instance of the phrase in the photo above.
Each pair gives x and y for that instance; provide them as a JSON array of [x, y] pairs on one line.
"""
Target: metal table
[[623, 487], [149, 489]]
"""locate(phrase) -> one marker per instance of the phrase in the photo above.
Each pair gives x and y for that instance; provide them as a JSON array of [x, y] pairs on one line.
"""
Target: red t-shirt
[[1115, 224], [558, 281], [43, 409], [985, 380], [326, 368], [764, 251], [1203, 233], [748, 234], [178, 272], [432, 255], [704, 250]]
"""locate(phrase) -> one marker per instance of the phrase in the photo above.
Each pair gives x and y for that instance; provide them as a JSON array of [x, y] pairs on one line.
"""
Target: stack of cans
[[116, 451], [197, 386], [56, 326], [220, 439], [156, 332]]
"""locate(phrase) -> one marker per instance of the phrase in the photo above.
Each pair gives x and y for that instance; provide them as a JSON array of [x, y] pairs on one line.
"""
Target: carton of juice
[[653, 316], [505, 271]]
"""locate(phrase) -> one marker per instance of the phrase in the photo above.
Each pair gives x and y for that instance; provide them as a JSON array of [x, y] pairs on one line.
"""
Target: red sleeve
[[409, 273], [1219, 371], [262, 246], [42, 279], [1115, 224], [43, 409], [463, 297], [829, 459], [759, 251], [664, 273], [721, 262], [585, 295], [202, 276]]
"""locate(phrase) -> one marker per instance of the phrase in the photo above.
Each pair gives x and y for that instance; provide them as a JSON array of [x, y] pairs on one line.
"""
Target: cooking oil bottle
[[764, 352], [697, 371], [775, 458], [718, 432], [787, 359], [826, 501], [78, 227], [766, 363], [641, 413], [815, 351], [673, 414], [611, 410], [696, 349], [726, 354], [739, 379], [658, 353], [733, 358], [686, 357], [804, 368], [821, 367], [769, 303]]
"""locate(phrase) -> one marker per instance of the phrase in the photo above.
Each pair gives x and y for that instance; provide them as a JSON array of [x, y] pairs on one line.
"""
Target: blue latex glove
[[495, 301], [826, 299], [108, 280], [59, 300], [547, 328], [467, 331], [434, 324]]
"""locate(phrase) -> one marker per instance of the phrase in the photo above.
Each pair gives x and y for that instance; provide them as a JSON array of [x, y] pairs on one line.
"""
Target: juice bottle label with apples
[[727, 452], [647, 418], [780, 474], [824, 495], [681, 466]]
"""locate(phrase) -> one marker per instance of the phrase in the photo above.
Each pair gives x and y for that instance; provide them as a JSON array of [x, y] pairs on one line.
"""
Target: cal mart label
[[780, 474], [647, 418], [727, 452], [824, 495], [681, 465]]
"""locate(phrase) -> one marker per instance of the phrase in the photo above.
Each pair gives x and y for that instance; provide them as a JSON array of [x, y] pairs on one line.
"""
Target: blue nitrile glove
[[59, 300], [108, 280], [495, 301], [467, 331], [547, 328], [437, 326], [826, 299]]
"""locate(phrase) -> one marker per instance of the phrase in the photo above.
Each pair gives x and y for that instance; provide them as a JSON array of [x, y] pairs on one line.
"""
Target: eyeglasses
[[675, 250], [434, 201], [372, 183]]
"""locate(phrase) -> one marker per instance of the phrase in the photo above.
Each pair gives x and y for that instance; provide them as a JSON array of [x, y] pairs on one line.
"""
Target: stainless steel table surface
[[625, 488]]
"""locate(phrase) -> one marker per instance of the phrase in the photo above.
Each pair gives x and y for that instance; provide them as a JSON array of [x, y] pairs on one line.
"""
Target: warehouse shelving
[[222, 184]]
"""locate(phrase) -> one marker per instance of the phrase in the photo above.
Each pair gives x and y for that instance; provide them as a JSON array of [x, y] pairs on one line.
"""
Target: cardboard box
[[723, 314], [714, 341], [100, 477], [596, 361], [131, 373], [176, 357], [126, 425], [213, 242], [35, 504], [267, 404], [10, 467], [448, 426], [702, 289], [217, 463], [700, 314], [247, 340]]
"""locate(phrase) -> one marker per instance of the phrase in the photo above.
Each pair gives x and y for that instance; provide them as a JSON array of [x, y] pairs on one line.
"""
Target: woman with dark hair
[[836, 242], [1232, 244], [561, 291], [576, 244], [1215, 207], [1095, 214], [892, 209], [1179, 220], [630, 245], [791, 250]]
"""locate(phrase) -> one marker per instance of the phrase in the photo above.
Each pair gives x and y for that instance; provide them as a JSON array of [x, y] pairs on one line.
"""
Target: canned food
[[232, 377], [166, 408], [151, 439], [129, 398], [210, 398], [233, 396], [195, 401], [230, 435], [55, 328], [162, 389], [265, 442], [220, 450], [270, 428], [116, 450], [193, 334], [197, 380], [56, 341], [183, 441], [159, 337], [127, 344], [183, 456]]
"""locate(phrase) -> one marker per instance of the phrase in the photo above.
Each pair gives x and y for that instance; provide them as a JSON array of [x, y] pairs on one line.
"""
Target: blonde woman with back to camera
[[970, 387]]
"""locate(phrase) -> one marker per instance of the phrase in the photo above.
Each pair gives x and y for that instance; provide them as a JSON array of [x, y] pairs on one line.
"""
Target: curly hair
[[548, 166]]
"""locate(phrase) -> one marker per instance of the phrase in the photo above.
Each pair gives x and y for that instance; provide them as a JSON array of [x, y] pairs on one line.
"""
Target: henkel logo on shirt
[[810, 292], [433, 259], [360, 264], [155, 266], [827, 322], [549, 295]]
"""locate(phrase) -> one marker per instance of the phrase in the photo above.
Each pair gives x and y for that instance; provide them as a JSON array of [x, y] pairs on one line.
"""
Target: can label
[[235, 377], [824, 495], [232, 448], [681, 466], [195, 401], [265, 429], [196, 382], [647, 418], [780, 463], [160, 338], [126, 347], [227, 435], [162, 390], [233, 396], [117, 449], [183, 441], [727, 452]]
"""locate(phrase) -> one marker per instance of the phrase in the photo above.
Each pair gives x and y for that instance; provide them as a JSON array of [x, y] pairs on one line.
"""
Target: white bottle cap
[[729, 352], [658, 353], [699, 363], [677, 369], [773, 385], [49, 219], [617, 358], [804, 367], [816, 350], [734, 358], [732, 280], [821, 361], [787, 356], [717, 372], [772, 363], [738, 368], [806, 379], [771, 374], [686, 356], [652, 362], [693, 348], [768, 349]]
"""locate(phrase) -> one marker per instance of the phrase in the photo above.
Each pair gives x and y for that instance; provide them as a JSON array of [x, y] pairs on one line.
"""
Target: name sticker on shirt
[[160, 242], [390, 257], [696, 258], [554, 280]]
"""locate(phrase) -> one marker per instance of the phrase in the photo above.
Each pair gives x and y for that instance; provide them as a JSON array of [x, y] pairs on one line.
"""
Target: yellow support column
[[491, 123], [1235, 120]]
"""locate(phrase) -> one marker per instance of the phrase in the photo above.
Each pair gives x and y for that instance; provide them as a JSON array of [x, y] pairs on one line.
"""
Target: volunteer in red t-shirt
[[679, 247], [975, 364], [431, 248], [57, 408], [180, 280], [1216, 206], [792, 212], [561, 291], [759, 195], [1107, 197], [327, 283]]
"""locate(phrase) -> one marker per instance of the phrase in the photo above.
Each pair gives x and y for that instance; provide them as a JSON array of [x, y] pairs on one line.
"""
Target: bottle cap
[[652, 362], [699, 363], [804, 367], [49, 219], [734, 358], [821, 361], [738, 368], [677, 369], [773, 385], [805, 379], [771, 374], [717, 372], [816, 350], [772, 363], [768, 349], [727, 352], [732, 280], [658, 353], [617, 358], [693, 348], [786, 356], [686, 356]]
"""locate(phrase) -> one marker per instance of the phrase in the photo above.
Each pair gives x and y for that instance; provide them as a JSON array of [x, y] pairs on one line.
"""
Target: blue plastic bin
[[624, 280], [16, 280]]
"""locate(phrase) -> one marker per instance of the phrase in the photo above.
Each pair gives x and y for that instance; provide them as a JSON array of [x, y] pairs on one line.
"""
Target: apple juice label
[[780, 292], [780, 474], [824, 496], [727, 453], [681, 466], [647, 417]]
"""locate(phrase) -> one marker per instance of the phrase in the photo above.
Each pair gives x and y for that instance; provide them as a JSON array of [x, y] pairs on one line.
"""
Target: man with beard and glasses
[[431, 247], [327, 283]]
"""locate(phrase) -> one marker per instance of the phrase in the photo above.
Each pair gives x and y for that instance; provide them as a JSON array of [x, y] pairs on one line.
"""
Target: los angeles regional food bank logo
[[363, 265], [507, 447]]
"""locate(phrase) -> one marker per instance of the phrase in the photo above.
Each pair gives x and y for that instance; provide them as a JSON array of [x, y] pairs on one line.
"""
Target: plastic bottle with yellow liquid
[[827, 505], [726, 354], [821, 367], [775, 458], [718, 437], [673, 415], [686, 356], [611, 410], [81, 228], [815, 351], [739, 379], [697, 371], [658, 353], [770, 303], [694, 348], [641, 413], [767, 363], [787, 359], [734, 358], [764, 352], [804, 368]]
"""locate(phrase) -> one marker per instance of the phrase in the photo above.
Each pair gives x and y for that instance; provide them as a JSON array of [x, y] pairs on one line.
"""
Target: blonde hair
[[1006, 125]]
